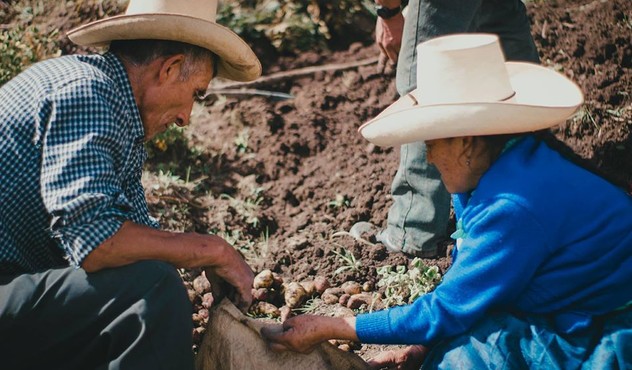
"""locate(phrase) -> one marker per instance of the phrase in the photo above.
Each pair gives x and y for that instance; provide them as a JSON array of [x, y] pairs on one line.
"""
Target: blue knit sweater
[[541, 235]]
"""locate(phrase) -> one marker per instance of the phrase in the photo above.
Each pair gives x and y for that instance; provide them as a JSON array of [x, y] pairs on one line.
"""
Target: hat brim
[[543, 98], [237, 60]]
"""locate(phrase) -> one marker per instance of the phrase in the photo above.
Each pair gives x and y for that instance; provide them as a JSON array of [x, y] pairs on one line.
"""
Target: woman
[[543, 261]]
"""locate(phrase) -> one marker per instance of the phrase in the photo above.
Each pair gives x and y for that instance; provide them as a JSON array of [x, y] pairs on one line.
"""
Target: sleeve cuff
[[374, 328], [77, 242]]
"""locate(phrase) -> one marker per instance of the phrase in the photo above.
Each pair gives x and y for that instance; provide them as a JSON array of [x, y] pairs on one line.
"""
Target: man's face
[[169, 100]]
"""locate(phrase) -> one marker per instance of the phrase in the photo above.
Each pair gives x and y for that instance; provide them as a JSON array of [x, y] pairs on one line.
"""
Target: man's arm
[[134, 242]]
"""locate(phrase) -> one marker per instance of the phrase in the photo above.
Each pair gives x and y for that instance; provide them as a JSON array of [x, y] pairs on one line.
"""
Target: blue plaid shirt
[[71, 158]]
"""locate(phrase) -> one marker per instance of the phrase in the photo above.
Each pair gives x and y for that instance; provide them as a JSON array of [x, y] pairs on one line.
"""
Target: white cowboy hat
[[190, 21], [465, 88]]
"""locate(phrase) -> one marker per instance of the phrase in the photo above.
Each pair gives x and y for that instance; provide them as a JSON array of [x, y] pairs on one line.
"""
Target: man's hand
[[388, 36], [409, 358], [232, 270], [133, 243]]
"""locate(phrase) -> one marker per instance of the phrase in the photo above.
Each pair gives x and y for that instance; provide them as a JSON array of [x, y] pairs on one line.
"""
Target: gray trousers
[[133, 317], [419, 215]]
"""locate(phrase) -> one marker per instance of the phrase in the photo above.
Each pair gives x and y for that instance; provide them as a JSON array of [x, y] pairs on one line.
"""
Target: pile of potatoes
[[276, 299]]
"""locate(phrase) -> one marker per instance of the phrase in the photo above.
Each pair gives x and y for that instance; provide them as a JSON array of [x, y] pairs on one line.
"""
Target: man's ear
[[170, 68], [468, 146]]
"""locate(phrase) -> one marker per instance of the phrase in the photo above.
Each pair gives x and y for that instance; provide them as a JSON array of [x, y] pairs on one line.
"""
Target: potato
[[351, 287], [294, 294], [207, 300], [310, 287], [345, 347], [198, 332], [264, 279], [344, 299], [286, 313], [201, 285], [261, 294], [368, 286], [265, 309], [335, 291], [357, 300], [203, 313], [329, 298], [192, 294], [321, 284]]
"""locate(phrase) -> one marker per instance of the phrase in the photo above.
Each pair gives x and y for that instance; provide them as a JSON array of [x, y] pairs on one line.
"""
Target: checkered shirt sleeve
[[88, 133]]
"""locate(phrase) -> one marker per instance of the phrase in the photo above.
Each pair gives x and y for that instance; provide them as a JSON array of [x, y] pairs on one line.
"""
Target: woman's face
[[452, 157]]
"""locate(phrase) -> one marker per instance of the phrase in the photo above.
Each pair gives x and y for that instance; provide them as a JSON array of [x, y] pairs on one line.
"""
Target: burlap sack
[[233, 342]]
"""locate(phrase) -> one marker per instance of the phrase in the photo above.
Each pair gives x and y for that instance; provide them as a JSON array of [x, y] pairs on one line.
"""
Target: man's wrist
[[388, 13]]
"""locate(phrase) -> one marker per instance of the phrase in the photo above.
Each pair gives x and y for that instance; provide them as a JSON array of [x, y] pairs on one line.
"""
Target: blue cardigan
[[541, 235]]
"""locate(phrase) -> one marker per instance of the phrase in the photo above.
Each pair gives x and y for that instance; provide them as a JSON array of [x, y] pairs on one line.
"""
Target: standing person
[[418, 217], [87, 280], [542, 268]]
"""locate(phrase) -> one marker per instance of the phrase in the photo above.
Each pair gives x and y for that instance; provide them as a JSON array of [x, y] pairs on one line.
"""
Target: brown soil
[[304, 174], [305, 152]]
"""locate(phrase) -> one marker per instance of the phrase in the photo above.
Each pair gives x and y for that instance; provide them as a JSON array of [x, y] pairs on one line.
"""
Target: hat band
[[416, 102]]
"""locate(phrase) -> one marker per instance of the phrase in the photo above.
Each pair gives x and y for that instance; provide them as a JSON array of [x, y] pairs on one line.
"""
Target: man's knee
[[147, 276]]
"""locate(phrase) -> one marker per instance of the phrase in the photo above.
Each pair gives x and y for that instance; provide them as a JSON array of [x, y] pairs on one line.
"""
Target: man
[[418, 217], [86, 278]]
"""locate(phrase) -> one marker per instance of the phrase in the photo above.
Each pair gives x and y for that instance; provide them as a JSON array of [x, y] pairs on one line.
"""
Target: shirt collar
[[121, 79]]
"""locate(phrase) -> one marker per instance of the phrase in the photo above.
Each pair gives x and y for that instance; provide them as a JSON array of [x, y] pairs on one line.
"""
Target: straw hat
[[190, 21], [465, 88]]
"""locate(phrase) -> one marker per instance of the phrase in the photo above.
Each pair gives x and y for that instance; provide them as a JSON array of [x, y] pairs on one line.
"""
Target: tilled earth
[[312, 176], [285, 179]]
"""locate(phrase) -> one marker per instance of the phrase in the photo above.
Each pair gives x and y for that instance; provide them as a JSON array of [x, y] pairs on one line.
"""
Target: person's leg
[[509, 20], [419, 215], [133, 317], [614, 348], [504, 341]]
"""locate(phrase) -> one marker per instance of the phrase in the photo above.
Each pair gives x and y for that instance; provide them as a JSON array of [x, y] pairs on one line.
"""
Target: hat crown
[[203, 9], [467, 68]]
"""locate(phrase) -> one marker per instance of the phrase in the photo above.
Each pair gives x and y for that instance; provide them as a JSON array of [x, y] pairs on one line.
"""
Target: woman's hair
[[143, 52], [547, 137]]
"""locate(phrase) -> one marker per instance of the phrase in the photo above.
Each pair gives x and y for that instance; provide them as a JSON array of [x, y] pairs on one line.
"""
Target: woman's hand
[[409, 358], [303, 333]]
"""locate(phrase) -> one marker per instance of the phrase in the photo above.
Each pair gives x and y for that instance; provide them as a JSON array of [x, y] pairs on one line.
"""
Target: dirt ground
[[285, 179], [315, 176]]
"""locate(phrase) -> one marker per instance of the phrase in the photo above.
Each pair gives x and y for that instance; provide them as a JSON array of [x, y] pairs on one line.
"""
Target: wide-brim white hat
[[190, 21], [465, 88]]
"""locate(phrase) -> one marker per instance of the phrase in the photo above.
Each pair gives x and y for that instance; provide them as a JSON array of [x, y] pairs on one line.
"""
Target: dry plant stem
[[301, 72], [346, 233]]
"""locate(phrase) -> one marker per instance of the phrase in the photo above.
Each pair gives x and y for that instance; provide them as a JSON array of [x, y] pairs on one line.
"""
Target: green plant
[[348, 260], [22, 46], [310, 307], [340, 202], [249, 207], [294, 26], [402, 285], [241, 141]]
